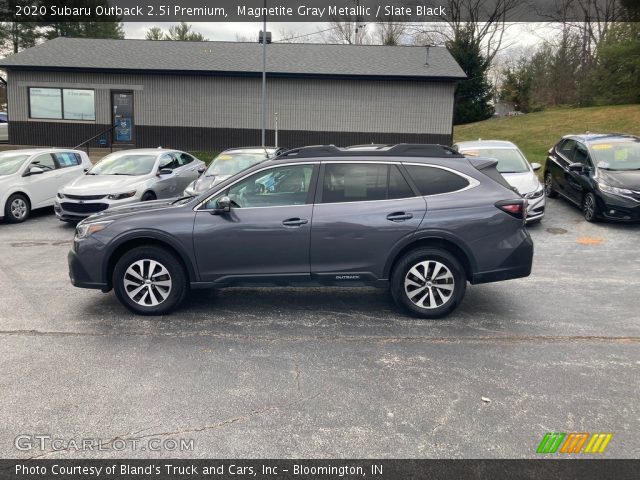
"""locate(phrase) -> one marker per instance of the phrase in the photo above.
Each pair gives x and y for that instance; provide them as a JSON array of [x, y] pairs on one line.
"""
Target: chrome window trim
[[473, 182], [267, 167]]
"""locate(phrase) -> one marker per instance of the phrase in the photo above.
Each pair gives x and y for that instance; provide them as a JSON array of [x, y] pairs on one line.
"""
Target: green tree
[[16, 36], [154, 33], [183, 32], [473, 95]]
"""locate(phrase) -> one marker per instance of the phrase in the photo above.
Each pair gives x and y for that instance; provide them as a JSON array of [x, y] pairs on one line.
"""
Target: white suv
[[30, 178]]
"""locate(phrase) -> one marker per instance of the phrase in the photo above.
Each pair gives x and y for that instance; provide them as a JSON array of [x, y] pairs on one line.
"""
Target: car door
[[578, 181], [266, 233], [70, 166], [167, 185], [564, 157], [187, 170], [362, 211], [42, 187]]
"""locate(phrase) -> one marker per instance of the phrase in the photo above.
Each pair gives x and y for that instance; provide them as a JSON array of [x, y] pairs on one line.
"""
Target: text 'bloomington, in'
[[279, 11]]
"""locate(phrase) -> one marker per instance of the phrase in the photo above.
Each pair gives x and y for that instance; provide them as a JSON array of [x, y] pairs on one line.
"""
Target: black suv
[[600, 173], [420, 218]]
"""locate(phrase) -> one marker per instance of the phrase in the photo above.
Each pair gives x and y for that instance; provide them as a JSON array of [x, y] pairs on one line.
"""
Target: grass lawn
[[536, 133], [205, 156]]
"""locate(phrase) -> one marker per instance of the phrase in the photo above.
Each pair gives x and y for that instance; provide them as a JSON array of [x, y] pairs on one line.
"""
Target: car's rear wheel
[[590, 208], [548, 186], [17, 208], [148, 196], [149, 281], [428, 282]]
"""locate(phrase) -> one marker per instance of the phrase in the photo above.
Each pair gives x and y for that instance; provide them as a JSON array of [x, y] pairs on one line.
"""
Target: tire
[[17, 209], [135, 291], [148, 196], [548, 186], [590, 208], [412, 273]]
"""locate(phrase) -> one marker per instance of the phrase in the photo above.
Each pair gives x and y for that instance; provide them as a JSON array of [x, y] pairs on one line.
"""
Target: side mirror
[[35, 170], [223, 205], [201, 170], [536, 166], [165, 171], [86, 170], [576, 167]]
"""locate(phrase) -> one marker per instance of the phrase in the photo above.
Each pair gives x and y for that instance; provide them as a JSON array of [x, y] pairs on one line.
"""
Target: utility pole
[[264, 73]]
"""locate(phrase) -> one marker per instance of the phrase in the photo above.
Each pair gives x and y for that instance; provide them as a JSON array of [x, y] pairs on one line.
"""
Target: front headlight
[[83, 230], [60, 195], [614, 190], [537, 193], [191, 189], [121, 196]]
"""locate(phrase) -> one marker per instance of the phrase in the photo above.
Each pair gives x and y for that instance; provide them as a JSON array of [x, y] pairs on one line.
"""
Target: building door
[[122, 117]]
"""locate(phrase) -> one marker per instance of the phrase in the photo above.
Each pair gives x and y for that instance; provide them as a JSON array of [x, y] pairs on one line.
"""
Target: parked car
[[420, 218], [30, 178], [600, 173], [126, 177], [4, 127], [516, 170], [229, 163]]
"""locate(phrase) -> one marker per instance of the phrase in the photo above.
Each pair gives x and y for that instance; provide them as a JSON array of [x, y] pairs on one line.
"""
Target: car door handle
[[294, 222], [399, 216]]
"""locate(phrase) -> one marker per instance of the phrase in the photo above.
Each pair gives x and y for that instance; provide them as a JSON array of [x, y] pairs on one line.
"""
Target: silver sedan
[[126, 177]]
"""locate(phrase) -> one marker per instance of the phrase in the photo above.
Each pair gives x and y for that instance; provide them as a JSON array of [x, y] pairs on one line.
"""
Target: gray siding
[[234, 102]]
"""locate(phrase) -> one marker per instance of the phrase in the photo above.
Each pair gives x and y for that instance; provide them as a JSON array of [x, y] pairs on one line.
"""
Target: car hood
[[204, 183], [115, 213], [102, 184], [525, 182], [622, 179]]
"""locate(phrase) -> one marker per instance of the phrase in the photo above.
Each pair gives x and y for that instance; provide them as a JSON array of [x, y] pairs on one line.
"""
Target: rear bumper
[[516, 265]]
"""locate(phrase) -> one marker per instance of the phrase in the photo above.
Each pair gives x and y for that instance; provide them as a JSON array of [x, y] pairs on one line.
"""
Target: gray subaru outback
[[420, 219]]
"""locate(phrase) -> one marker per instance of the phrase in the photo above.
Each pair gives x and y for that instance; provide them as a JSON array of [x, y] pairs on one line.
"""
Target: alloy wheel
[[429, 284], [19, 208], [147, 282], [548, 185], [589, 207]]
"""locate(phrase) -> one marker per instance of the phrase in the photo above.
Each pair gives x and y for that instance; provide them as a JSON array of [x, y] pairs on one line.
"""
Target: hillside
[[535, 133]]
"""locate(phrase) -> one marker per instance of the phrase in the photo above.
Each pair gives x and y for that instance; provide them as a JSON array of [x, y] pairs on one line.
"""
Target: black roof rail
[[399, 150]]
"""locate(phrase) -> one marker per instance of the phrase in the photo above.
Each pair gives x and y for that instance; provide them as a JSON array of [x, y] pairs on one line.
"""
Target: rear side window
[[184, 159], [434, 181], [68, 159], [358, 182]]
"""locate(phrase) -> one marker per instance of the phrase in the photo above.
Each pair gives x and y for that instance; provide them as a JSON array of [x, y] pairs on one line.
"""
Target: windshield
[[10, 162], [232, 163], [510, 160], [623, 155], [128, 164]]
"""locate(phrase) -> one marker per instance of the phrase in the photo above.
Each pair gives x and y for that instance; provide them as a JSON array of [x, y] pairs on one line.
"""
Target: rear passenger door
[[70, 165], [362, 210]]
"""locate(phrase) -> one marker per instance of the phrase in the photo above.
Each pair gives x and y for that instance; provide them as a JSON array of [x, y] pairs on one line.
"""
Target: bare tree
[[390, 31], [351, 32], [291, 36]]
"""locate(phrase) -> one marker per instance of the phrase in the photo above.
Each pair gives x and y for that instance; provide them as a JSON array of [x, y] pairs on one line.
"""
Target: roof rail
[[399, 150]]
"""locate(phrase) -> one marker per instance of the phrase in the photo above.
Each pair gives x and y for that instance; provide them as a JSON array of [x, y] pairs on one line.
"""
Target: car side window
[[354, 182], [398, 186], [566, 149], [45, 161], [67, 159], [275, 187], [184, 159], [168, 161], [580, 154], [435, 181]]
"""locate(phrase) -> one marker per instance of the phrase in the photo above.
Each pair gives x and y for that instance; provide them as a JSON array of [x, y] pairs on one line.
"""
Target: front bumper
[[85, 261], [69, 209], [619, 208]]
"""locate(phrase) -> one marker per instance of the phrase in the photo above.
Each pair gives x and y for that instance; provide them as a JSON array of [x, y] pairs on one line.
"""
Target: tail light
[[515, 208]]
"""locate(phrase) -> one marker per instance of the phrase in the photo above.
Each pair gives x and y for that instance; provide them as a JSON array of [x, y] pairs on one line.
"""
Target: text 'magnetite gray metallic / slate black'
[[420, 219]]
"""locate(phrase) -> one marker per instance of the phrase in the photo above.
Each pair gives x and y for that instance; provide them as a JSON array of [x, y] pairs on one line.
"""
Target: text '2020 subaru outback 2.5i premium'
[[421, 219]]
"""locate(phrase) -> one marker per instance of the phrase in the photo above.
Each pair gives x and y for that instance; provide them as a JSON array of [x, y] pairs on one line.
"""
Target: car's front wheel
[[149, 281], [148, 197], [548, 186], [590, 208], [17, 208], [428, 282]]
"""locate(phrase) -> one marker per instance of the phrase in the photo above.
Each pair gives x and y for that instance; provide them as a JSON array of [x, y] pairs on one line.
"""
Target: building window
[[62, 103]]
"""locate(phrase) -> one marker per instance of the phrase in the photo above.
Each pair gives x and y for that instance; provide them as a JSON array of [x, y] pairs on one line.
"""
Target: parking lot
[[322, 372]]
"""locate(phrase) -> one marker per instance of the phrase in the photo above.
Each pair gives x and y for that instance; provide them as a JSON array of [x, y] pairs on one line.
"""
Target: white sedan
[[30, 178]]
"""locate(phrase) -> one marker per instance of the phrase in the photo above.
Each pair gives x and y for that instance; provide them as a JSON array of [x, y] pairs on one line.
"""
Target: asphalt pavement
[[324, 372]]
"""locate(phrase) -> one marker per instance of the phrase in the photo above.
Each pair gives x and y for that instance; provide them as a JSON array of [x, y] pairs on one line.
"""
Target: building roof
[[243, 58]]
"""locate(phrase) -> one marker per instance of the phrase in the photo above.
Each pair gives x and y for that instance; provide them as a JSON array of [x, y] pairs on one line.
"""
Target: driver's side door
[[265, 236], [577, 181], [167, 184]]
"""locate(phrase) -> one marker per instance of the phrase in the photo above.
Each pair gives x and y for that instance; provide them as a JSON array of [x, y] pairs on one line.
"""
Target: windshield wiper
[[187, 197], [128, 174]]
